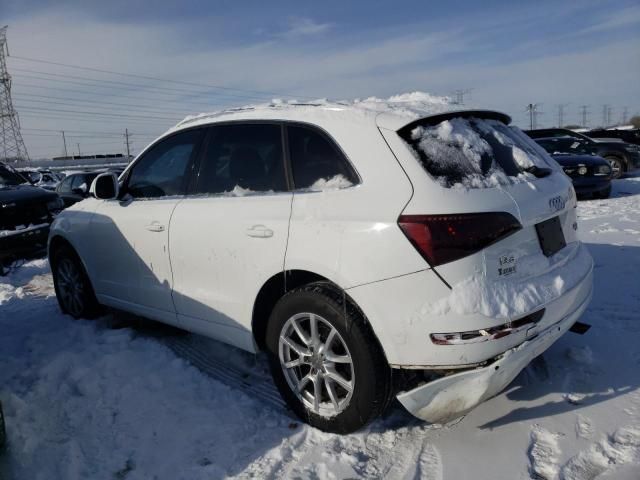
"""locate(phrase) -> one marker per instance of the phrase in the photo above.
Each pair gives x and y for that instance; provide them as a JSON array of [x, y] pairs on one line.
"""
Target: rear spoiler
[[405, 131]]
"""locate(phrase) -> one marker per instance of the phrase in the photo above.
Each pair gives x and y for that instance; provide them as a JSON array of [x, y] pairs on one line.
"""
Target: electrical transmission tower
[[12, 149]]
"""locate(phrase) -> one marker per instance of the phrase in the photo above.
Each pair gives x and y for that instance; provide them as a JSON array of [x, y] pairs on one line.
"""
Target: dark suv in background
[[629, 136], [623, 157], [26, 212]]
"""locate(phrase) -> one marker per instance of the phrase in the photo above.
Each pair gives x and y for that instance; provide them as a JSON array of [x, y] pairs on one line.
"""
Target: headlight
[[55, 205], [582, 170], [603, 170]]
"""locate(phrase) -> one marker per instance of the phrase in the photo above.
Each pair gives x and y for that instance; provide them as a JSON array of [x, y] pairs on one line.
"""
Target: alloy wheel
[[70, 286], [316, 364]]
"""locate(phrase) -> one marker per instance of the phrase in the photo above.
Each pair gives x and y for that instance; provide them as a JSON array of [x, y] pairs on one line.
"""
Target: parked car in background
[[75, 187], [590, 175], [322, 234], [631, 135], [41, 178], [623, 157], [26, 213]]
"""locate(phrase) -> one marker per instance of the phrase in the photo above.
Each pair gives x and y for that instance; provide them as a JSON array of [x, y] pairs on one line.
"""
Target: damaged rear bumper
[[450, 397]]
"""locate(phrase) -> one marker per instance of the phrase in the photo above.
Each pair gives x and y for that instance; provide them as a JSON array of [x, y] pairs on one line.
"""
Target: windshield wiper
[[538, 172]]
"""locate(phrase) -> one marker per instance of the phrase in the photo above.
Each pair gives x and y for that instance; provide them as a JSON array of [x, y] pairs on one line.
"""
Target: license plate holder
[[551, 236]]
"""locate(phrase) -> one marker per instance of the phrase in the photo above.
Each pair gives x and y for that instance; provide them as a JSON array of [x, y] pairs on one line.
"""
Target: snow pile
[[546, 280], [335, 183], [457, 153]]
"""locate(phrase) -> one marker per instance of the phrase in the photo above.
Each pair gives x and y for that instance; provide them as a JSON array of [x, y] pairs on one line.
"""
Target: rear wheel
[[325, 361], [73, 288], [617, 166]]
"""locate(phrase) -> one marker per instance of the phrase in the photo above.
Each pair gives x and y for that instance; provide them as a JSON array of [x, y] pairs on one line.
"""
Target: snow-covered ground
[[116, 399]]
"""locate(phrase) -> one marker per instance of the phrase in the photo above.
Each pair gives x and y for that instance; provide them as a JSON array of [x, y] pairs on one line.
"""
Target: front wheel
[[73, 288], [617, 167], [325, 361]]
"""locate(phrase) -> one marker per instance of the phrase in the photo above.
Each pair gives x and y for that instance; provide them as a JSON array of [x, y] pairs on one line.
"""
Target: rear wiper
[[538, 172]]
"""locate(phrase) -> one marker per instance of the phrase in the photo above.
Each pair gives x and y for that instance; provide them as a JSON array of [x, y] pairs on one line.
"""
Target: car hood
[[22, 194], [575, 160]]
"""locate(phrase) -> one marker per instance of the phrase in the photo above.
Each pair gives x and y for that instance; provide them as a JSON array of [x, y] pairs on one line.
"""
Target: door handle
[[259, 231], [155, 227]]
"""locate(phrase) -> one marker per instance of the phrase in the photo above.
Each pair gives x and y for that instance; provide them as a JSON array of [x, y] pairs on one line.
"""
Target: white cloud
[[301, 27]]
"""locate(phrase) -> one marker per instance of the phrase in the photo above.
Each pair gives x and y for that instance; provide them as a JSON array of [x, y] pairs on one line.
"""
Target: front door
[[131, 265]]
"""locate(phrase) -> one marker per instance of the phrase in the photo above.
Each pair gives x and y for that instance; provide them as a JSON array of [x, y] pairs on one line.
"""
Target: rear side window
[[162, 170], [316, 162], [242, 158], [473, 152]]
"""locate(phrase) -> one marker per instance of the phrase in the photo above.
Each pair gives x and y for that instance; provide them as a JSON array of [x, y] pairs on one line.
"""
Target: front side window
[[163, 169], [65, 185], [80, 180], [316, 162], [242, 158]]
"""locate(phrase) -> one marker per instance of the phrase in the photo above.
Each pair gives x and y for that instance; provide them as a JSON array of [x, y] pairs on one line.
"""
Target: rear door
[[229, 236]]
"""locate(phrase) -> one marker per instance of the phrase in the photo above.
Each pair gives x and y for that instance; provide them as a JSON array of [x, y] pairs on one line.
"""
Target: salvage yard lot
[[111, 398]]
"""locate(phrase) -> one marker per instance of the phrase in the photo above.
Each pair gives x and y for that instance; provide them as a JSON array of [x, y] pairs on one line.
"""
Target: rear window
[[474, 152]]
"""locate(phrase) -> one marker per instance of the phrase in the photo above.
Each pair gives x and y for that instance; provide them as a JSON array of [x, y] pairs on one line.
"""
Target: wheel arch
[[279, 285], [57, 241]]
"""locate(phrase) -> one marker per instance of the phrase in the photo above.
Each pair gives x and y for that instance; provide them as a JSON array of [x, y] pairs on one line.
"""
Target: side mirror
[[105, 187]]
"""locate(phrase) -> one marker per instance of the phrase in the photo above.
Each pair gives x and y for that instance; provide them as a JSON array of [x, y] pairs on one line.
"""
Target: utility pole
[[79, 154], [584, 111], [625, 115], [126, 136], [64, 141], [12, 148], [459, 95], [532, 108], [606, 115], [561, 114]]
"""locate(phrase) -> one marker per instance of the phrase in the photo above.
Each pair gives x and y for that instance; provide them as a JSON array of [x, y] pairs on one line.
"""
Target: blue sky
[[507, 54]]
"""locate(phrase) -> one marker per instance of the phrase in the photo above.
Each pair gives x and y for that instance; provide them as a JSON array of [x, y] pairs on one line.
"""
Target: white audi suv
[[371, 253]]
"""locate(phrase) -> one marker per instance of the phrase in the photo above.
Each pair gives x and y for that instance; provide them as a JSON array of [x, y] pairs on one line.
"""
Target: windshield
[[9, 177], [474, 152]]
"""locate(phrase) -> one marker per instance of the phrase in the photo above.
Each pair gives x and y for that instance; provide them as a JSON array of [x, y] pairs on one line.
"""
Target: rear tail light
[[444, 238]]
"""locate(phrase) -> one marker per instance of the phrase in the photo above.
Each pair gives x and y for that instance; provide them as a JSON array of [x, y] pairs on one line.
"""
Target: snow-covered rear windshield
[[473, 152]]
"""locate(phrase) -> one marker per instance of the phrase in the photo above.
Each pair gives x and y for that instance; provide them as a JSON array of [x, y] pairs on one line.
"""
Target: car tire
[[342, 366], [617, 167], [606, 193], [72, 285]]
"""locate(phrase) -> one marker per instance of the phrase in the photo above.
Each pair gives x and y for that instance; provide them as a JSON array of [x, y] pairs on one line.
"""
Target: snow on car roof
[[393, 112]]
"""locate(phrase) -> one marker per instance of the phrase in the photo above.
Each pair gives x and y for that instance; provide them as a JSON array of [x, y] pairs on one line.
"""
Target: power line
[[119, 115], [146, 77], [99, 102]]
